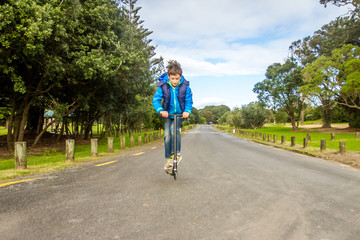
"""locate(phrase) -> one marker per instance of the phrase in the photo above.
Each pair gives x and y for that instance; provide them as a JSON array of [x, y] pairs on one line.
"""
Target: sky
[[225, 47]]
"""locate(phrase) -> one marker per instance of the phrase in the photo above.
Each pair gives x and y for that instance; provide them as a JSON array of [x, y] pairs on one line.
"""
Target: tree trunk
[[42, 133], [9, 137], [40, 121], [327, 115], [61, 130], [24, 118], [88, 128], [294, 123], [16, 127], [35, 115], [302, 117]]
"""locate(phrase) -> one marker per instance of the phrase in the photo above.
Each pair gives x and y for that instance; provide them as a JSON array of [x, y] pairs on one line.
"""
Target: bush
[[355, 123]]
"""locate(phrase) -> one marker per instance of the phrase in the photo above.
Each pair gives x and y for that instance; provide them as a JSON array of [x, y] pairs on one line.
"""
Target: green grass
[[3, 130], [351, 143]]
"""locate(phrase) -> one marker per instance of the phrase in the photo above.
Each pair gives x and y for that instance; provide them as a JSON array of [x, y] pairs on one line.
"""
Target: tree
[[334, 79], [355, 3], [84, 58], [254, 115], [343, 30], [280, 89], [213, 113], [195, 116]]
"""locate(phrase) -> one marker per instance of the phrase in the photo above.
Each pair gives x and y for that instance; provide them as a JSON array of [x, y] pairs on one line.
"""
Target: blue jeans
[[169, 136]]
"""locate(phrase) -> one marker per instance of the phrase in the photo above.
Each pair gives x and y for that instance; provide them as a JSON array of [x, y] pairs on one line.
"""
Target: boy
[[176, 95]]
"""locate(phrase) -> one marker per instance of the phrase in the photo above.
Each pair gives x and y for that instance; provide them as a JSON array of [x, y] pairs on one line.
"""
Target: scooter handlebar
[[175, 115]]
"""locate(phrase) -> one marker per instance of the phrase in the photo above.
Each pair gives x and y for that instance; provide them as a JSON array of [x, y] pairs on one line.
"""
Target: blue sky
[[225, 47]]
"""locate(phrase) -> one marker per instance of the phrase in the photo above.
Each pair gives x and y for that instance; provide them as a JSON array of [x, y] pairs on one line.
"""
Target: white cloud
[[208, 102], [236, 59], [247, 36]]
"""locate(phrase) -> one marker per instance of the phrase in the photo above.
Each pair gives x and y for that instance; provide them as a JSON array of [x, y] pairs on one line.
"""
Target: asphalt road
[[227, 188]]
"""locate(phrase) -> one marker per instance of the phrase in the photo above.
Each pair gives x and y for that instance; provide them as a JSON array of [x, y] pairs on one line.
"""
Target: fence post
[[20, 155], [132, 141], [342, 147], [122, 142], [139, 140], [323, 145], [264, 136], [70, 150], [150, 137], [94, 147], [269, 137], [145, 138], [275, 138], [308, 136], [305, 142], [332, 136], [293, 141], [357, 135], [110, 144], [282, 139]]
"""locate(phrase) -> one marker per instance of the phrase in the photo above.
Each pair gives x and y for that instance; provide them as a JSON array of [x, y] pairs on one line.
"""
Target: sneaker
[[168, 167]]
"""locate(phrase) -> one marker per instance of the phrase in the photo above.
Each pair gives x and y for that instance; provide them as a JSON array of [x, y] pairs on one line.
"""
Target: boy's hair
[[174, 68]]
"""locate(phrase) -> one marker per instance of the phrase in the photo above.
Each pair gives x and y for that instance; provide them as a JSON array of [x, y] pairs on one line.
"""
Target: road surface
[[227, 188]]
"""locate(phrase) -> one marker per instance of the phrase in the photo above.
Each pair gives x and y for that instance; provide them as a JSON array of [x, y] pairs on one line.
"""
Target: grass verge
[[351, 157], [52, 160]]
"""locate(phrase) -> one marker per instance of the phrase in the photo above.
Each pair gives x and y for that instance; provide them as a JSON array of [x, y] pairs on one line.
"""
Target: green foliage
[[253, 115], [213, 113], [334, 78], [355, 123], [343, 30], [281, 116], [84, 59], [280, 89], [195, 116]]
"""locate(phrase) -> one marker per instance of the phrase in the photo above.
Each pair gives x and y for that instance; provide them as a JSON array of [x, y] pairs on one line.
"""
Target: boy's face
[[174, 79]]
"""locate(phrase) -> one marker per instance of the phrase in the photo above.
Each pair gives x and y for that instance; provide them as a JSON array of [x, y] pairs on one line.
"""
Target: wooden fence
[[148, 137], [267, 137]]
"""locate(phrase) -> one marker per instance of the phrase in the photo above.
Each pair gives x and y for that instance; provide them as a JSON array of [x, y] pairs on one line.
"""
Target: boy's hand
[[185, 115], [164, 114]]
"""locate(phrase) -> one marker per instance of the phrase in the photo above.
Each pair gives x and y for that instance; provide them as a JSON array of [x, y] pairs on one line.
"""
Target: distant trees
[[213, 113], [252, 115]]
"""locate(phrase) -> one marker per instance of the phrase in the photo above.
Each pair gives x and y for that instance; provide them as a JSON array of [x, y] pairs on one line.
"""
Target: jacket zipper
[[174, 94]]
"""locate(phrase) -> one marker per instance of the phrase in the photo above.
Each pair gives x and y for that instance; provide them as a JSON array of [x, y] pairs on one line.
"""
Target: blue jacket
[[177, 104]]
